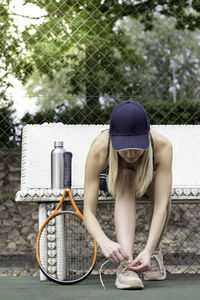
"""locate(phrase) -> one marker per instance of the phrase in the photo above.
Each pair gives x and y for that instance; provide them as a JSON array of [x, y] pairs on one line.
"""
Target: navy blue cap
[[129, 126]]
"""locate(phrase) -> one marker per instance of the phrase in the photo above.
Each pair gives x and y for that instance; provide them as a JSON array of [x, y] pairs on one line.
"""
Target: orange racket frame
[[55, 213]]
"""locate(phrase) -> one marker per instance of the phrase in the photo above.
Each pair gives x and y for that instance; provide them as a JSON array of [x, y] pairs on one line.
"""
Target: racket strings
[[79, 255]]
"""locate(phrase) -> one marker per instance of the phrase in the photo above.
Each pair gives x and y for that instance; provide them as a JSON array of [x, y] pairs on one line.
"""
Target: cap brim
[[121, 142]]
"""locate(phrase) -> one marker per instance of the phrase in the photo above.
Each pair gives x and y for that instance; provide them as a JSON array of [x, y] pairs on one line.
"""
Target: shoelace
[[100, 275], [100, 272]]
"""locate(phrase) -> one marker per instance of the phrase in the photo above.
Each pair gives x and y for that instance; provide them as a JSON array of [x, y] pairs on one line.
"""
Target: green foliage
[[92, 114], [167, 52], [8, 127], [82, 39], [167, 112], [160, 112], [9, 51]]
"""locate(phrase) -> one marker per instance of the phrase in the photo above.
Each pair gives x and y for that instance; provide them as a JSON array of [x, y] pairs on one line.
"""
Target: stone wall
[[19, 227], [18, 231], [18, 223], [10, 162]]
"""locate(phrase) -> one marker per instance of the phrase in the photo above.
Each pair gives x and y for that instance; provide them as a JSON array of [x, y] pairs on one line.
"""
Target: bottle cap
[[58, 144]]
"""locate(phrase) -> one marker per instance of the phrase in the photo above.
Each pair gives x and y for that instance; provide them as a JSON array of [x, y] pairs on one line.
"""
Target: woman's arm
[[95, 163], [162, 193], [91, 191]]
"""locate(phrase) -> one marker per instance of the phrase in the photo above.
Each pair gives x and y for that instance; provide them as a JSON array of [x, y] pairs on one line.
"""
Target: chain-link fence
[[77, 59], [180, 244]]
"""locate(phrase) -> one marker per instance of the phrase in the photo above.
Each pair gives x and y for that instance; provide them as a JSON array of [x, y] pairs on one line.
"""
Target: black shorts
[[103, 182]]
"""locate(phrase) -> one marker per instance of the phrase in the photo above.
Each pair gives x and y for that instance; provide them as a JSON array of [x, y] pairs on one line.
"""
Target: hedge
[[182, 112]]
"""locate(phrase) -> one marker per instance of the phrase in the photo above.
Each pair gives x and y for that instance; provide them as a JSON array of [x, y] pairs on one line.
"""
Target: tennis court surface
[[175, 287]]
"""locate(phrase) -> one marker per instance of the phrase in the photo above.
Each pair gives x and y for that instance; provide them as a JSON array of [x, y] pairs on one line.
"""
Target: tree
[[7, 45], [83, 47], [101, 64], [11, 59], [172, 61]]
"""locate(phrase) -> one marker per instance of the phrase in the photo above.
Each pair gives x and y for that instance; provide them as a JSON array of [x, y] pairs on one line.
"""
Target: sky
[[22, 103]]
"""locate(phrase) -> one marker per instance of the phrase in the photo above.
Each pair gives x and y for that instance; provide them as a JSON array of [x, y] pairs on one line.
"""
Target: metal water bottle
[[57, 166]]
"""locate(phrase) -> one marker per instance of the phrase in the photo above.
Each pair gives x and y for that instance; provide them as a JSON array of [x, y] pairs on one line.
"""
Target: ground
[[175, 287]]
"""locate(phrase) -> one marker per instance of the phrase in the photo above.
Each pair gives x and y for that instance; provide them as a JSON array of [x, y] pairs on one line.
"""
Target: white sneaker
[[127, 279], [157, 270]]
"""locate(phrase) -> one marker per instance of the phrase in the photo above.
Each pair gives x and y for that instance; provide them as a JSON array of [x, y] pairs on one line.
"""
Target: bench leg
[[60, 247], [53, 243], [43, 244]]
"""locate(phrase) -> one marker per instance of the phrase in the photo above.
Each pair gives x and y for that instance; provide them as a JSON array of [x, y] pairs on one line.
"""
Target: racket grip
[[67, 169]]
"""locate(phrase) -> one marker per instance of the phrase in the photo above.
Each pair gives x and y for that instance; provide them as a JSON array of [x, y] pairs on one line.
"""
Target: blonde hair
[[143, 173]]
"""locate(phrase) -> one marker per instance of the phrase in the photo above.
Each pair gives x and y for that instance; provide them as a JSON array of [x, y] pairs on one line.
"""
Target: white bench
[[38, 142]]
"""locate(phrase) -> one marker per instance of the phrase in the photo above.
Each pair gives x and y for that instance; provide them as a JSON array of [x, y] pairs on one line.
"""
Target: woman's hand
[[113, 251], [142, 262]]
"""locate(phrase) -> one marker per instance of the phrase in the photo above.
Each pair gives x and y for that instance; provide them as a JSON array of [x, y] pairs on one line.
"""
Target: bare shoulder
[[97, 154], [160, 140], [163, 148], [100, 144]]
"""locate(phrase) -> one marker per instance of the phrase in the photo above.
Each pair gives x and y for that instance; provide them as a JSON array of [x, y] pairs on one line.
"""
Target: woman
[[139, 161]]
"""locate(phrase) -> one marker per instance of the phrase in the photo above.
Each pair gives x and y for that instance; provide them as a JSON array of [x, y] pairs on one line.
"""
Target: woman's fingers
[[142, 262], [123, 254], [139, 265], [114, 252], [116, 257]]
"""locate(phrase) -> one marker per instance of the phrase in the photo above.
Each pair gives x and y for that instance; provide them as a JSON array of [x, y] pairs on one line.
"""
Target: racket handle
[[67, 169]]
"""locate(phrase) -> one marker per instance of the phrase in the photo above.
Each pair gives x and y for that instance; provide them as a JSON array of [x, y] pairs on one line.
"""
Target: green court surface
[[175, 287]]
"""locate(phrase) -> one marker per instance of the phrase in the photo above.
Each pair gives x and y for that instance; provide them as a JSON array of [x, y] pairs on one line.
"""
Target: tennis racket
[[72, 249]]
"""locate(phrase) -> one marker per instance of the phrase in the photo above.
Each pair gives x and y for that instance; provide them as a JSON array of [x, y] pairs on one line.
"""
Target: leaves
[[60, 41]]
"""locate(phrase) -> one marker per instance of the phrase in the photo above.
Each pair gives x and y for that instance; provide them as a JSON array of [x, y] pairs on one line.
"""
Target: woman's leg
[[166, 220], [125, 215], [157, 270], [150, 193]]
